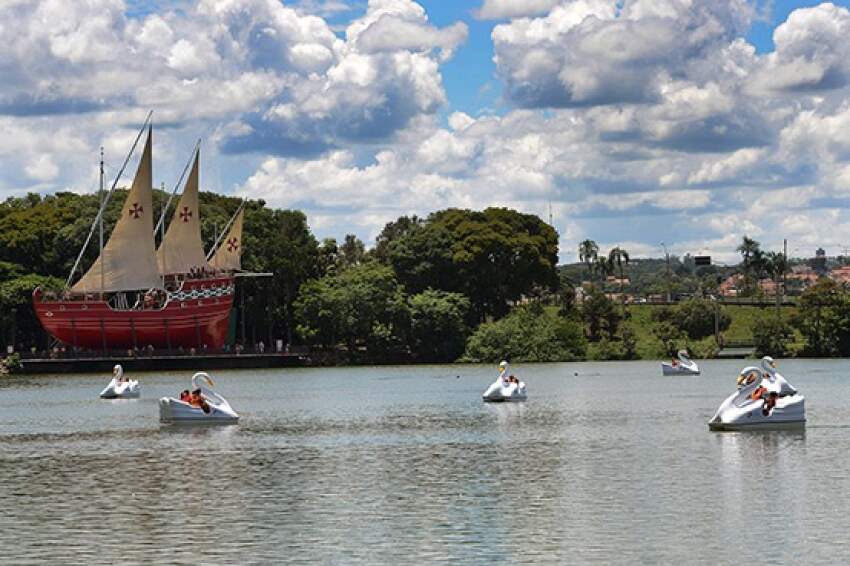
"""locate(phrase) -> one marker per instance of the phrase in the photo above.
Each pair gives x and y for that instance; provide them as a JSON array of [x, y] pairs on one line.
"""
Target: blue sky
[[638, 121]]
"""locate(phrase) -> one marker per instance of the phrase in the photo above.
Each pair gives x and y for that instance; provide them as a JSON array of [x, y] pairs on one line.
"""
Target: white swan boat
[[763, 401], [217, 409], [120, 387], [681, 366], [505, 390]]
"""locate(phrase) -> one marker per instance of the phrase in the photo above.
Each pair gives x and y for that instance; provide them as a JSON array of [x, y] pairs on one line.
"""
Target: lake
[[606, 463]]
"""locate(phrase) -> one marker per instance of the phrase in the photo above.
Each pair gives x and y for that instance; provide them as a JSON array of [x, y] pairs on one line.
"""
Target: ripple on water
[[393, 465]]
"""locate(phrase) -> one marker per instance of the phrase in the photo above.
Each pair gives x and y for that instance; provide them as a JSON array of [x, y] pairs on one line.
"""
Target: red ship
[[135, 295]]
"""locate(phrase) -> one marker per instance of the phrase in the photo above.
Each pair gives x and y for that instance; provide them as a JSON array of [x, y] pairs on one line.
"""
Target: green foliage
[[567, 300], [695, 317], [9, 271], [16, 313], [824, 319], [289, 251], [493, 256], [670, 336], [753, 264], [772, 335], [422, 258], [629, 343], [11, 364], [352, 251], [527, 334], [360, 306], [437, 325], [588, 251], [600, 316]]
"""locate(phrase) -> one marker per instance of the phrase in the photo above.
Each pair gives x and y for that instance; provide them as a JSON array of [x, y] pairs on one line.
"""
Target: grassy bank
[[743, 317]]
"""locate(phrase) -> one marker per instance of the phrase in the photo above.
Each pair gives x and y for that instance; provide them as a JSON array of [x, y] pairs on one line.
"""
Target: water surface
[[606, 463]]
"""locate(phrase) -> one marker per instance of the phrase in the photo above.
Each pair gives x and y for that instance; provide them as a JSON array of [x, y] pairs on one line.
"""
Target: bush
[[600, 315], [11, 364], [528, 334], [771, 336], [823, 318], [437, 325]]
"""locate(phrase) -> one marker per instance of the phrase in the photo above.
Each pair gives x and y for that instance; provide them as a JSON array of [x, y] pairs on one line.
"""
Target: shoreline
[[155, 363]]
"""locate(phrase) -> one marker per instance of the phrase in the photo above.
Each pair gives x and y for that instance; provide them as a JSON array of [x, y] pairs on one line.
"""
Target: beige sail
[[128, 259], [227, 256], [182, 249]]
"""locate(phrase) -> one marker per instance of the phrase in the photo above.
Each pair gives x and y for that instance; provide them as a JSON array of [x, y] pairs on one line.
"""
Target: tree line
[[418, 294], [457, 284]]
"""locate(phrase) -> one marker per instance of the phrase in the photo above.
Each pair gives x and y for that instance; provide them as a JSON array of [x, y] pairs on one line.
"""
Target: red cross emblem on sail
[[232, 244], [185, 214], [136, 211]]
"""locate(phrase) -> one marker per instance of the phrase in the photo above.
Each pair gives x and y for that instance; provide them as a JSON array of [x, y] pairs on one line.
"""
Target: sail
[[227, 256], [182, 249], [128, 259]]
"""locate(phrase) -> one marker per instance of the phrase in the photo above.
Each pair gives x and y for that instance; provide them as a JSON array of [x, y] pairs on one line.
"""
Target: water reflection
[[377, 466]]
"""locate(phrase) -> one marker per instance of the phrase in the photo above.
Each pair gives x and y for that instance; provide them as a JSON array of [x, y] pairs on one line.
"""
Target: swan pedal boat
[[685, 366], [500, 391], [120, 388], [173, 410], [741, 412]]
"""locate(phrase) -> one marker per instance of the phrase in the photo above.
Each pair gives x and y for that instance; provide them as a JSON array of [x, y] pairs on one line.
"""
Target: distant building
[[731, 286], [840, 275], [769, 286], [804, 275], [818, 262]]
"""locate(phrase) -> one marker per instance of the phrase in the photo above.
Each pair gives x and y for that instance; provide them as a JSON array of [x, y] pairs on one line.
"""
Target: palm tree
[[751, 252], [602, 266], [619, 257], [587, 252], [776, 266]]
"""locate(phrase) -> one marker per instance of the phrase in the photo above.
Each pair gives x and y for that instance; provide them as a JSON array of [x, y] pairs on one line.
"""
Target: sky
[[635, 123]]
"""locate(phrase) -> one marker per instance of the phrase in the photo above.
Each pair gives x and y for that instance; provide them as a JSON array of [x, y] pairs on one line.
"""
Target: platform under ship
[[135, 295]]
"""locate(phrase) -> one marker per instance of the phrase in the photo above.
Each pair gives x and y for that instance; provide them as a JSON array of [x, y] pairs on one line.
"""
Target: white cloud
[[812, 52], [640, 121], [498, 9]]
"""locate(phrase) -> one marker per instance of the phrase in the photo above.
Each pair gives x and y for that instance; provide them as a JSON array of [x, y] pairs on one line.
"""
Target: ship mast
[[100, 217]]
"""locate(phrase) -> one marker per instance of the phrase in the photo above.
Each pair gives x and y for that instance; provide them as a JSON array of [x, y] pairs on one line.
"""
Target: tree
[[619, 257], [750, 251], [823, 318], [599, 315], [329, 256], [438, 329], [363, 305], [695, 317], [18, 319], [391, 232], [771, 336], [669, 334], [776, 266], [528, 334], [422, 258], [291, 253], [588, 251], [494, 256], [352, 251], [603, 267], [567, 299]]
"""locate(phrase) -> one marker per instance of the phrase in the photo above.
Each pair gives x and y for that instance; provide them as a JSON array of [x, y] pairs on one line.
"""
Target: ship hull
[[195, 316]]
